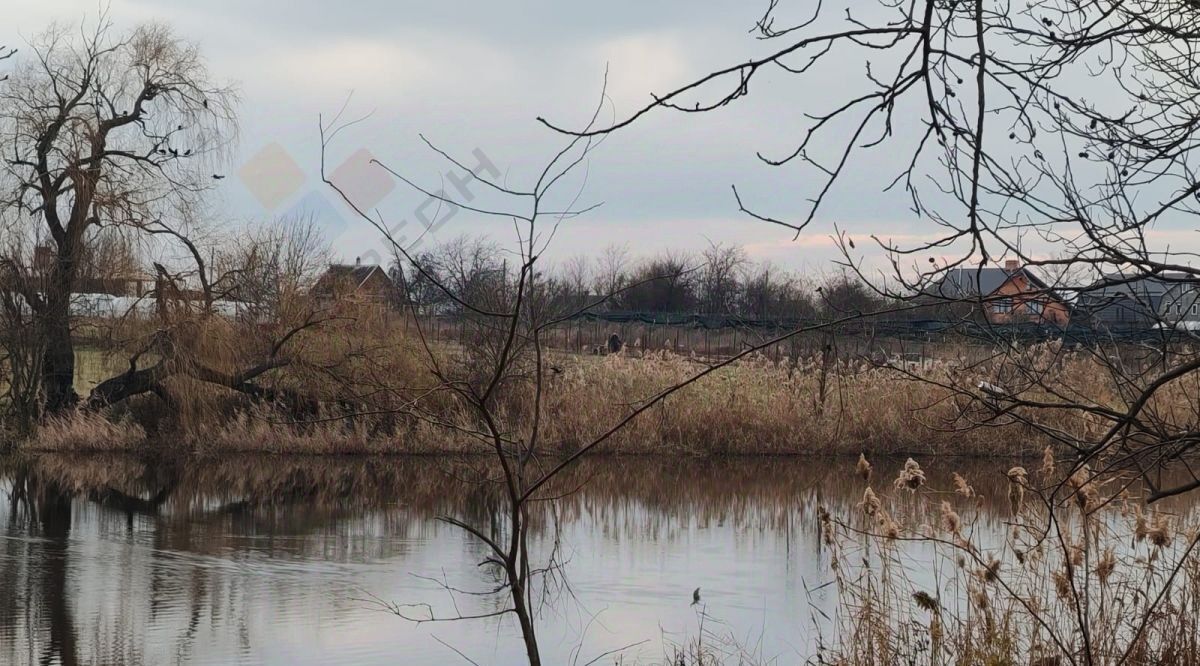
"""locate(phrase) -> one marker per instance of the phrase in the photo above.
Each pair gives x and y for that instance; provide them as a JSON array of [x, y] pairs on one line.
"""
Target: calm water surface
[[258, 560]]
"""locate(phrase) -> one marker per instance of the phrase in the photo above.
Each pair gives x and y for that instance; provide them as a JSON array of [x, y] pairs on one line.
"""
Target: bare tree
[[768, 292], [664, 283], [717, 280], [21, 343], [1058, 134], [263, 327], [270, 268], [499, 380], [611, 267], [103, 130], [6, 52], [472, 268], [921, 56], [108, 255], [504, 364], [1061, 136], [577, 275]]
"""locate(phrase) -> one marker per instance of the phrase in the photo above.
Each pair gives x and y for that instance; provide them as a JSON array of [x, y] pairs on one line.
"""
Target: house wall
[[117, 286], [377, 287], [1022, 294], [1181, 302], [1142, 304]]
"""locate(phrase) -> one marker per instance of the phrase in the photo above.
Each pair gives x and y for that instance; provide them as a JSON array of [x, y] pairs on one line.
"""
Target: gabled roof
[[1117, 295], [353, 274], [357, 273], [973, 282], [1155, 285]]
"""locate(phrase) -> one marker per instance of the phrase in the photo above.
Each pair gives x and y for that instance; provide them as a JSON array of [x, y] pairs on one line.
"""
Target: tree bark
[[128, 384], [136, 382], [58, 360], [527, 629]]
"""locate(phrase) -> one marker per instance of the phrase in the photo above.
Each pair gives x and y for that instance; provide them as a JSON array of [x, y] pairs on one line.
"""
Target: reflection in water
[[267, 560]]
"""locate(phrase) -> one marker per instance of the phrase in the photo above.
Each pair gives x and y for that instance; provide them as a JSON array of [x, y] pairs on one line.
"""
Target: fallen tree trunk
[[135, 382], [128, 384], [174, 362]]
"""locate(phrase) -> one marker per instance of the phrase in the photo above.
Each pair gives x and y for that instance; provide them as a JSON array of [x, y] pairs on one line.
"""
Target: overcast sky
[[475, 76]]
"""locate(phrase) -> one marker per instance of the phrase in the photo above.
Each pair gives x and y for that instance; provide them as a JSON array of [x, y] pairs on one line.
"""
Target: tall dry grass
[[1084, 574], [88, 432], [759, 406], [377, 395]]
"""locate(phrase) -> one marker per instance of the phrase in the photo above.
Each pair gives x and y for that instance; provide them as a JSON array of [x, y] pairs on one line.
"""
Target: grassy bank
[[757, 406]]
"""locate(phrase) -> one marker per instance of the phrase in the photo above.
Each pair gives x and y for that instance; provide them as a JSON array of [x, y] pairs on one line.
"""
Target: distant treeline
[[721, 280]]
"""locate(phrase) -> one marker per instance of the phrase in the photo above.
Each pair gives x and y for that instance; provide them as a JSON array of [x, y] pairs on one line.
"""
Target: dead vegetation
[[372, 393], [1083, 574]]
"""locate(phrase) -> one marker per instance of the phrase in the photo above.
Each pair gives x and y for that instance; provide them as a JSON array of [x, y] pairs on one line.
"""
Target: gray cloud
[[476, 74]]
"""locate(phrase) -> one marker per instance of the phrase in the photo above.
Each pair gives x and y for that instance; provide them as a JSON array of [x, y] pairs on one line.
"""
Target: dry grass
[[761, 407], [89, 432], [756, 406], [1083, 575]]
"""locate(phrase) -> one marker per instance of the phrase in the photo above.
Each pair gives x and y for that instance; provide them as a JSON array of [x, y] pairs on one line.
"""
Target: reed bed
[[756, 406], [1084, 574], [759, 406]]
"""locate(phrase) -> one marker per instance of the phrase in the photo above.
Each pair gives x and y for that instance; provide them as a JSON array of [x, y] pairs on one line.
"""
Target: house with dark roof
[[1132, 302], [357, 282], [1008, 295]]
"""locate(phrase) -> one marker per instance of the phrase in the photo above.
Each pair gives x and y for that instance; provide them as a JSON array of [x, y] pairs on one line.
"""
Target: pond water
[[261, 560]]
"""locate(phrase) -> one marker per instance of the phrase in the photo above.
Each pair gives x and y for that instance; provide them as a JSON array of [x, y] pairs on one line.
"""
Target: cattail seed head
[[962, 487], [1017, 478], [1062, 584], [1087, 497], [888, 527], [991, 573], [925, 601], [1106, 565], [1047, 462], [950, 519], [863, 469], [1161, 531], [911, 477], [870, 503]]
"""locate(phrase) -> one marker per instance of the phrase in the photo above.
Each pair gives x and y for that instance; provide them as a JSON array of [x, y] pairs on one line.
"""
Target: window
[[1002, 306], [1035, 307], [1194, 308]]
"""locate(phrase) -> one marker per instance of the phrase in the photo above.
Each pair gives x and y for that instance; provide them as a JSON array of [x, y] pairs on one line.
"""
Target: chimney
[[358, 261], [1011, 265]]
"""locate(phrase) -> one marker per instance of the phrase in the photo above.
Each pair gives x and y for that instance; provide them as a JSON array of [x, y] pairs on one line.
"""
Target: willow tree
[[100, 130]]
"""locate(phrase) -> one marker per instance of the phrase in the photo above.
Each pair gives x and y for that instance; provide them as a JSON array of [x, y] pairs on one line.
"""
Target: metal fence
[[716, 337]]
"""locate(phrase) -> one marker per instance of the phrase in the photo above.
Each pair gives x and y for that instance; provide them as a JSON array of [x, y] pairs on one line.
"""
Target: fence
[[721, 337]]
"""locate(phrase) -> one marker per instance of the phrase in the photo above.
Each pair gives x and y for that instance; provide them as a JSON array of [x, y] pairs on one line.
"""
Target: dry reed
[[1079, 578], [755, 406]]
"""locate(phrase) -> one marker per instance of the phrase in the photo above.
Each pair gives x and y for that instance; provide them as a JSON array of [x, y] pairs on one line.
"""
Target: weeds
[[757, 406], [1083, 575]]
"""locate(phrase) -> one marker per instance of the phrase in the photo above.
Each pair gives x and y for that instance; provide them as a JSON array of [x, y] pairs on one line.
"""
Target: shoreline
[[203, 456]]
